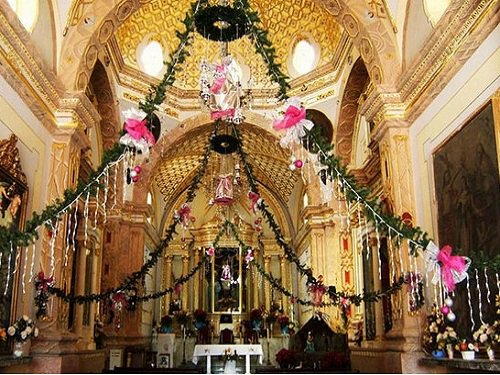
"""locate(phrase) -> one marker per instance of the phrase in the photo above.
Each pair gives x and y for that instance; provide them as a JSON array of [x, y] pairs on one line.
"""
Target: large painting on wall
[[467, 184], [13, 197], [467, 187]]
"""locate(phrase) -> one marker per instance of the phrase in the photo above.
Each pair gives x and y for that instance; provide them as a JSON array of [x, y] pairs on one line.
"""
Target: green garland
[[130, 281], [234, 17], [26, 237], [264, 47], [156, 94]]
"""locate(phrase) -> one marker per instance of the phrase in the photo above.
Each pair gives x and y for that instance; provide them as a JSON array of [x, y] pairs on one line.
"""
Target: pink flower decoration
[[292, 116], [211, 251], [138, 129]]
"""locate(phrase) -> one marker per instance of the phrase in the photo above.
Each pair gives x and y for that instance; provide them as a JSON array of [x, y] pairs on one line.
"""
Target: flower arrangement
[[466, 346], [283, 320], [286, 358], [486, 335], [166, 324], [256, 314], [200, 315], [449, 336], [438, 334], [22, 329]]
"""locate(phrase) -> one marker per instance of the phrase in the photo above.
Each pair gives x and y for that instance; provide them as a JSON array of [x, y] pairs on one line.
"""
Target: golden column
[[284, 282], [267, 287], [185, 270], [196, 281], [255, 283], [167, 282]]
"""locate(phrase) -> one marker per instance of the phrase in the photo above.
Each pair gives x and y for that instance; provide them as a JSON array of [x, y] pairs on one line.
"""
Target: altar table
[[210, 350]]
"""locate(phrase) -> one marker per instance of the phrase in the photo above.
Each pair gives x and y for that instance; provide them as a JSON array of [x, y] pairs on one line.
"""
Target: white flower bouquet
[[22, 329]]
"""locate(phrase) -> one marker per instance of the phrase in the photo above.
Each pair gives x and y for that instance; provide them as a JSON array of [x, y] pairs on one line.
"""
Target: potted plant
[[435, 326], [166, 324], [285, 358], [21, 331], [200, 318], [284, 321], [256, 319], [467, 349]]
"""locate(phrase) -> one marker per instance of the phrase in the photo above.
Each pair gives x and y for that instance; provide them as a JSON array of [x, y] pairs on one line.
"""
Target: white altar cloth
[[210, 350]]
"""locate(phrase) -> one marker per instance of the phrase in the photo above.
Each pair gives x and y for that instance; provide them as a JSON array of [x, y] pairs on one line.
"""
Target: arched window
[[150, 57], [303, 57], [27, 12], [435, 9]]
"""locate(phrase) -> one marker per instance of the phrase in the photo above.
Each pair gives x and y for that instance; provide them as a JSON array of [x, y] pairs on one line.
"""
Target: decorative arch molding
[[374, 37], [354, 87], [170, 138], [106, 105]]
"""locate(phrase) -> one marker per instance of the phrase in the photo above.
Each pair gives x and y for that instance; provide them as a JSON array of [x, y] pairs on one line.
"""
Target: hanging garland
[[130, 282], [334, 169], [12, 238]]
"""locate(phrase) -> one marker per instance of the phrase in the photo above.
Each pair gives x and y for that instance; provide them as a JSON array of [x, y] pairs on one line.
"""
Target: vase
[[438, 353], [284, 329], [18, 349], [449, 351], [256, 323], [199, 324], [469, 355], [491, 354]]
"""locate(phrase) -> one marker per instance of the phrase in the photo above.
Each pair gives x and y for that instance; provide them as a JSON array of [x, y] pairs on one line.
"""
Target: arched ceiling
[[285, 21], [269, 162]]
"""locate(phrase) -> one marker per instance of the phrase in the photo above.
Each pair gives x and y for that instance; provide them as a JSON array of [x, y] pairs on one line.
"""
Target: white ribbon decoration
[[431, 263]]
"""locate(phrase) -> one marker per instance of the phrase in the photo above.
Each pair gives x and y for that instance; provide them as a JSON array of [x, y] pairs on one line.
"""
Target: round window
[[150, 58], [303, 57]]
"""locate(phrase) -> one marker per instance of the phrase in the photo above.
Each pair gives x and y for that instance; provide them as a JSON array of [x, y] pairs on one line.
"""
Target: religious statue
[[309, 343]]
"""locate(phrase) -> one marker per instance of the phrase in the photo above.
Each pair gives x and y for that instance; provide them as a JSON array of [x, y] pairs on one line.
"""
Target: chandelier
[[221, 89]]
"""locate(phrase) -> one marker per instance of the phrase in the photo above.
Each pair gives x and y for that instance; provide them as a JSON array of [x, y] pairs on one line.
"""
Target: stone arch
[[170, 138], [106, 105], [373, 37], [354, 87]]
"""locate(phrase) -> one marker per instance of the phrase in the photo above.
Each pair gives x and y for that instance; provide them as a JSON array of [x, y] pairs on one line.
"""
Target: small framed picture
[[163, 360]]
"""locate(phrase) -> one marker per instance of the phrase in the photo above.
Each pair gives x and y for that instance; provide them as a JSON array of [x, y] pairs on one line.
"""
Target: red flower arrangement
[[256, 314], [286, 358], [200, 315], [283, 320]]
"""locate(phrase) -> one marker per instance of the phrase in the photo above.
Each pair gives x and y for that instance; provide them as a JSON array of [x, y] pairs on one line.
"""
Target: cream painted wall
[[417, 30], [34, 143], [464, 95]]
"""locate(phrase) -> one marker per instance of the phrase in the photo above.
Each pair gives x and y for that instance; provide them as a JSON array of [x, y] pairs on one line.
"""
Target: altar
[[227, 349]]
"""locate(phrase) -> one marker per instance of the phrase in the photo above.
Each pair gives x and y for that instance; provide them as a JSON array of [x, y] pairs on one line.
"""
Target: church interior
[[249, 186]]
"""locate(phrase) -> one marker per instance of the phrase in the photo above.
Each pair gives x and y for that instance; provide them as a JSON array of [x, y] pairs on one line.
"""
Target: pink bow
[[184, 213], [43, 283], [292, 116], [449, 264], [138, 129], [215, 115], [255, 198]]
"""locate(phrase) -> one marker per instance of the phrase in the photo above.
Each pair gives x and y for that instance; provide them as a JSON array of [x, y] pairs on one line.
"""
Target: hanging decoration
[[451, 268], [183, 215], [137, 134], [42, 285], [317, 290]]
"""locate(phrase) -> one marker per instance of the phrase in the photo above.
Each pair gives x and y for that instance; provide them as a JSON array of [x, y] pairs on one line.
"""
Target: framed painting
[[467, 186], [13, 198]]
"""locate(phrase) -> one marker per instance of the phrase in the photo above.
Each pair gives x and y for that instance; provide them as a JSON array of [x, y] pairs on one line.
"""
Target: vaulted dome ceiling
[[287, 21]]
